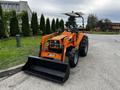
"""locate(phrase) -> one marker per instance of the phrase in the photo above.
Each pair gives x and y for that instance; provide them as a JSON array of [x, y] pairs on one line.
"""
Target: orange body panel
[[51, 55], [66, 39], [58, 37], [45, 39], [79, 39]]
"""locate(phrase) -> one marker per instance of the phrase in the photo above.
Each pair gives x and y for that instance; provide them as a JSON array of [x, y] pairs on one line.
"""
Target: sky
[[54, 8]]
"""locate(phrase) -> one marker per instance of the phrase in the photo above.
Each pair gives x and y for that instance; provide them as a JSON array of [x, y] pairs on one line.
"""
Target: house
[[18, 6], [115, 27]]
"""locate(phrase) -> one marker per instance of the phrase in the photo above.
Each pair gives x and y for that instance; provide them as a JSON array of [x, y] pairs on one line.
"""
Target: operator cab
[[71, 23]]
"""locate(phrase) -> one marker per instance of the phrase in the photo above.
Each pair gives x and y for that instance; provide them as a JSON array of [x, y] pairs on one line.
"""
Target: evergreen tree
[[25, 24], [14, 28], [2, 29], [53, 26], [47, 31], [61, 23], [57, 23], [42, 24], [2, 33], [6, 16], [1, 12], [104, 24], [34, 23], [91, 22]]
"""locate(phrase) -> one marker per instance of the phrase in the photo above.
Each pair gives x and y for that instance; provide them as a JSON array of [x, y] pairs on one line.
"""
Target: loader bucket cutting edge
[[50, 69]]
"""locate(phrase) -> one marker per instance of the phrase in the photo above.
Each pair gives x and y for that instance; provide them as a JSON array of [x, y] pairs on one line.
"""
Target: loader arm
[[68, 41], [44, 40], [79, 39]]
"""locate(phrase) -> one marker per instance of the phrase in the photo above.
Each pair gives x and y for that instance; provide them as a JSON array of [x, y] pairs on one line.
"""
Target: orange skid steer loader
[[58, 52]]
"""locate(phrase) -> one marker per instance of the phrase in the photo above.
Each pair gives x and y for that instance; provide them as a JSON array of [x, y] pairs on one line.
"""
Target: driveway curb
[[11, 71]]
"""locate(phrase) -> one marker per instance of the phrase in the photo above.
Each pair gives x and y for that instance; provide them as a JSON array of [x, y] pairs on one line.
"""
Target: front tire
[[73, 57], [83, 48]]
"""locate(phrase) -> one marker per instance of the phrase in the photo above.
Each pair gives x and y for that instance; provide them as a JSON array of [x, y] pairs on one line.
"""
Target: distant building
[[115, 27], [18, 6], [111, 27]]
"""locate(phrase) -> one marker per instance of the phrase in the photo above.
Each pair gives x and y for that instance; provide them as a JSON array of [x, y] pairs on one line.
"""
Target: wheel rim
[[86, 49], [76, 57]]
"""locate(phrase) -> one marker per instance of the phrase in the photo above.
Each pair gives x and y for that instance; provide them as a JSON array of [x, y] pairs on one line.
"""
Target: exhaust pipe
[[46, 68]]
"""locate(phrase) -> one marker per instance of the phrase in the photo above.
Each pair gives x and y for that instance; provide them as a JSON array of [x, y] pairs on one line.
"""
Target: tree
[[1, 12], [100, 24], [6, 16], [47, 31], [104, 24], [107, 24], [25, 24], [2, 33], [91, 22], [42, 24], [57, 24], [2, 29], [53, 28], [61, 23], [34, 23], [14, 28]]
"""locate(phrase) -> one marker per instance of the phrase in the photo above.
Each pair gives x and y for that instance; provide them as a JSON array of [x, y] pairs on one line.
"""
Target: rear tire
[[83, 48], [73, 57]]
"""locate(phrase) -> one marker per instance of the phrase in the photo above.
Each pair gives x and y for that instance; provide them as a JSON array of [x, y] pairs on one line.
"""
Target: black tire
[[73, 57], [83, 48]]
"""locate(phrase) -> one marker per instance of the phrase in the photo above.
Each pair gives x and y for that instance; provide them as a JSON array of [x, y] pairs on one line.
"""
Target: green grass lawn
[[10, 55]]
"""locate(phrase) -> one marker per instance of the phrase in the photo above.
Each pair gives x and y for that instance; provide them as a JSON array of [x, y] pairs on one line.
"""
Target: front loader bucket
[[47, 68]]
